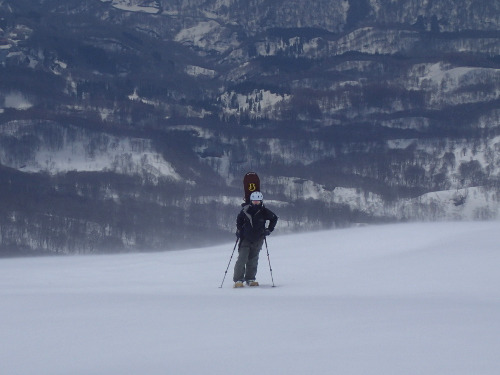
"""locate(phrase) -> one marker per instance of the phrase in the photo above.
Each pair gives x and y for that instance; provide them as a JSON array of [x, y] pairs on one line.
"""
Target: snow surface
[[208, 35], [437, 73], [389, 300], [198, 71], [135, 6], [263, 98], [17, 101]]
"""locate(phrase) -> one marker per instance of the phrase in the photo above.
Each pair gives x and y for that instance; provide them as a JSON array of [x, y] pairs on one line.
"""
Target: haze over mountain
[[129, 124]]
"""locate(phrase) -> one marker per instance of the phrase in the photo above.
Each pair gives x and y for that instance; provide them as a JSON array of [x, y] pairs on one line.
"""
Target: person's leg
[[253, 260], [239, 267]]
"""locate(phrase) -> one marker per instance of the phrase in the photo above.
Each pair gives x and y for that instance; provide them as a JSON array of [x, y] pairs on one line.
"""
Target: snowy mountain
[[128, 124], [396, 299]]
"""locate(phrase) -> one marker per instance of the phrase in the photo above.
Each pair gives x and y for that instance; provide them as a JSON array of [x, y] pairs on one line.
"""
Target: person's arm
[[273, 219]]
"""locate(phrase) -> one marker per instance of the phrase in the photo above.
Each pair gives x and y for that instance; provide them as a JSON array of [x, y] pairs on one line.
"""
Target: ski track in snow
[[393, 299]]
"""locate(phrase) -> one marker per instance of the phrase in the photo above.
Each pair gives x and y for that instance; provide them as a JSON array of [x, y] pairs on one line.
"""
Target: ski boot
[[238, 284]]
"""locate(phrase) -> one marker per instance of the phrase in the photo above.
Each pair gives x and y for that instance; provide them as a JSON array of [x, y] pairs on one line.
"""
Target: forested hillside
[[128, 125]]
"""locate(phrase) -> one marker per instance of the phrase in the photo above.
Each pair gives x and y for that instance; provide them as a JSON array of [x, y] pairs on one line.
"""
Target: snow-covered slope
[[81, 151], [388, 300]]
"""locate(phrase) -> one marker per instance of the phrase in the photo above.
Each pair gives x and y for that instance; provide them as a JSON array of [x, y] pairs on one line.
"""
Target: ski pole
[[269, 260], [230, 259]]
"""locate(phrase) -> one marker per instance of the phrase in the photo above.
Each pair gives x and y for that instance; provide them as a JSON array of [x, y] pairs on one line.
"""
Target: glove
[[267, 232], [237, 234]]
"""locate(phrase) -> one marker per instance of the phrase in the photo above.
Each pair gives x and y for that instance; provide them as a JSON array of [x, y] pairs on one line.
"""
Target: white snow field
[[401, 299]]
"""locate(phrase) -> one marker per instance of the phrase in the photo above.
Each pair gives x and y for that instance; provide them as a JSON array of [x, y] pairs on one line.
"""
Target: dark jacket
[[251, 222]]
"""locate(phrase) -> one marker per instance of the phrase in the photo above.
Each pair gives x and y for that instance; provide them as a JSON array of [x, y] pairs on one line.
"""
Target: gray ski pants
[[248, 260]]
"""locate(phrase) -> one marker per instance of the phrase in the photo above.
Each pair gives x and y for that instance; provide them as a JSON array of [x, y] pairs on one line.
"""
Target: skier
[[251, 230]]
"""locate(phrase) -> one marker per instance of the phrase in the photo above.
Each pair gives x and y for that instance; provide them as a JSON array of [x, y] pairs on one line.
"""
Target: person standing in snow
[[251, 230]]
